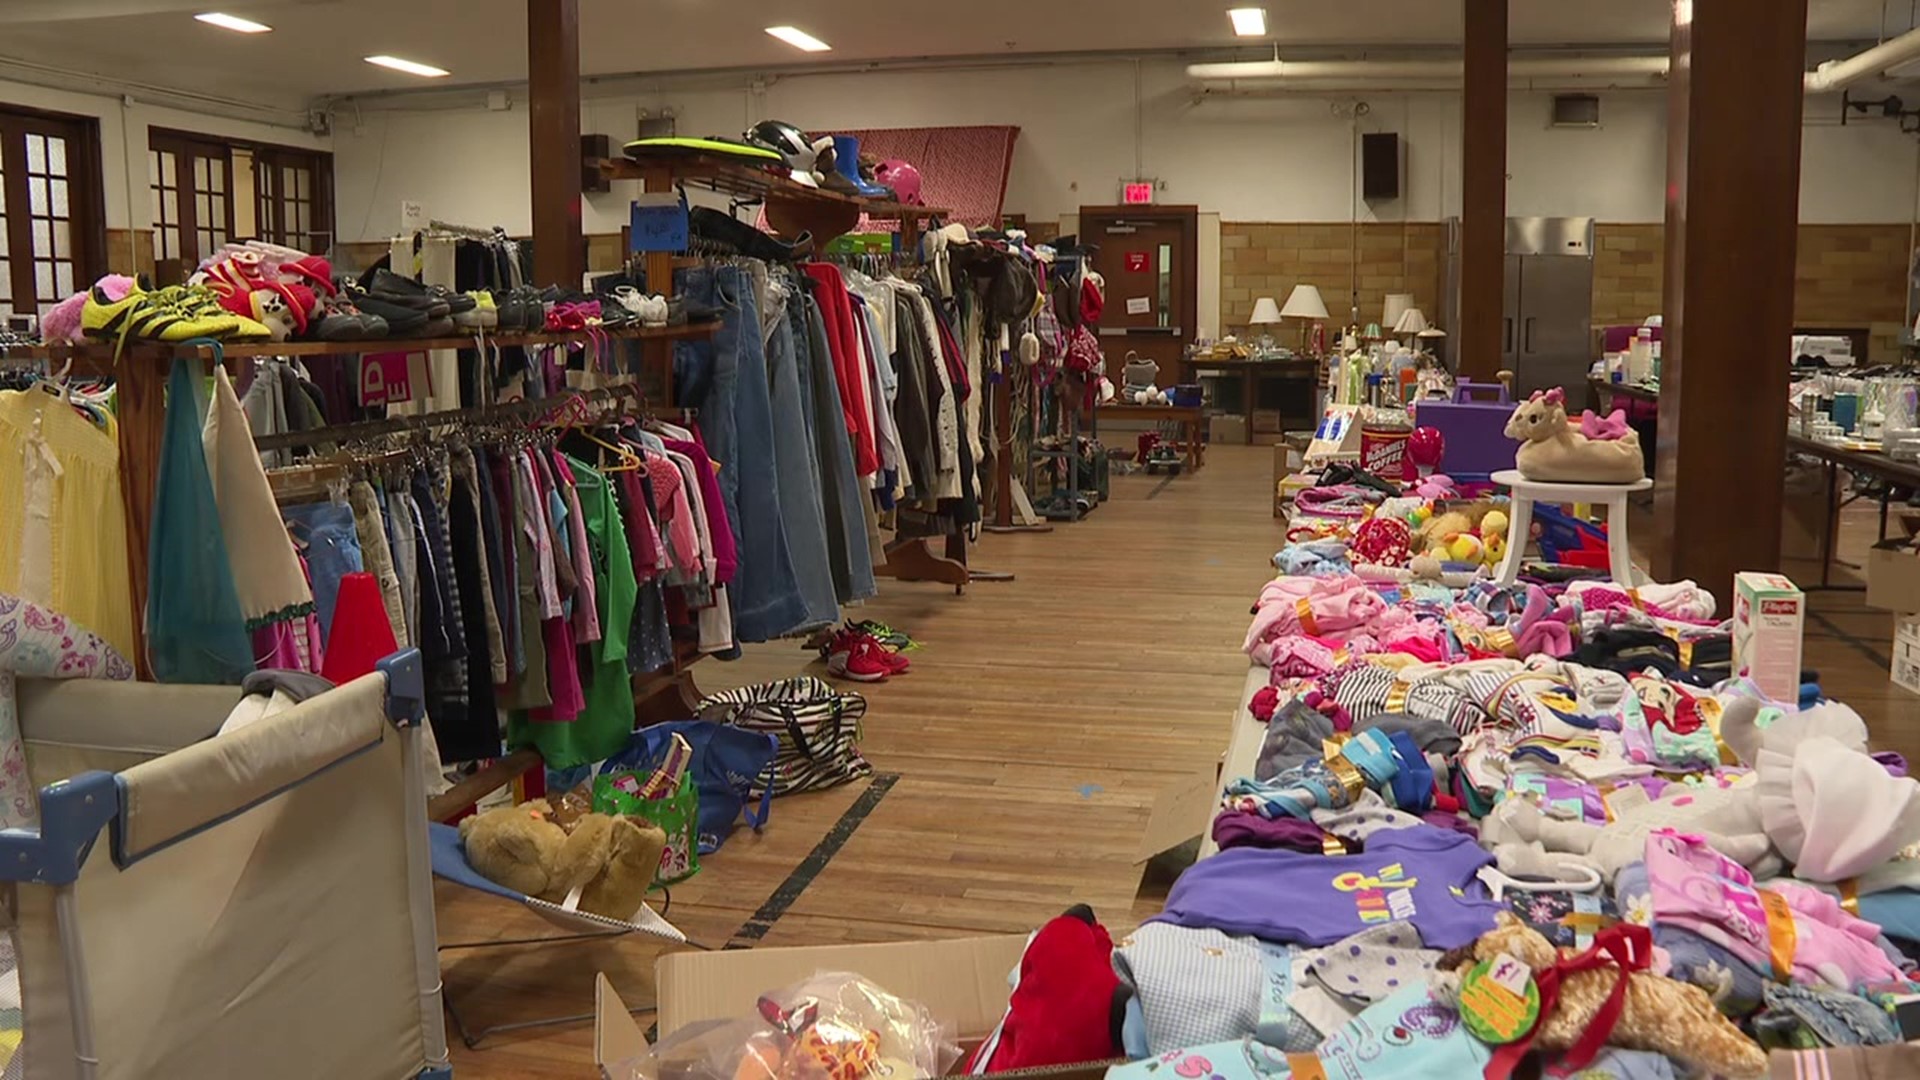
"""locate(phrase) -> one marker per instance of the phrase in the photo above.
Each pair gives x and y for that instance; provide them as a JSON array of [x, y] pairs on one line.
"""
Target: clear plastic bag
[[832, 1026]]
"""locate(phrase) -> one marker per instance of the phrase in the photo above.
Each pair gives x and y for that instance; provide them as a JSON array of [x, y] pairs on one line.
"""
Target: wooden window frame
[[272, 201], [86, 201], [187, 149]]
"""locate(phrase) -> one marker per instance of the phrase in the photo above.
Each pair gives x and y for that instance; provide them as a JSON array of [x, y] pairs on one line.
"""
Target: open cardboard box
[[963, 981], [1893, 570]]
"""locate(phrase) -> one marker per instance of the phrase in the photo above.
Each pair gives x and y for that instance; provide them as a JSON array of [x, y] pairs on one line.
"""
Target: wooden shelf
[[100, 356], [730, 177]]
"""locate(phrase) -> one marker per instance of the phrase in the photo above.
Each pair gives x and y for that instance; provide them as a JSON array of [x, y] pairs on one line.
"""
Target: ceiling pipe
[[1270, 71], [1836, 75], [1268, 75]]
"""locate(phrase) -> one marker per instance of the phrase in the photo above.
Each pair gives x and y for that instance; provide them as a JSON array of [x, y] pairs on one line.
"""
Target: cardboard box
[[1769, 618], [1226, 429], [1893, 571], [963, 981], [1905, 673]]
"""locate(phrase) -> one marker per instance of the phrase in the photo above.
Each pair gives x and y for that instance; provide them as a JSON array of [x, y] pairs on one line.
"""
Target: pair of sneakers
[[853, 653]]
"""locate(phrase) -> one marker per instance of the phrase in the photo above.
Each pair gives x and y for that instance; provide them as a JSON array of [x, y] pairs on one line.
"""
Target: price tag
[[659, 223], [1499, 1002]]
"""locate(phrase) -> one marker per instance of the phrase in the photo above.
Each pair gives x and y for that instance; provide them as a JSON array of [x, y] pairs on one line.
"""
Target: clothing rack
[[468, 231], [827, 214]]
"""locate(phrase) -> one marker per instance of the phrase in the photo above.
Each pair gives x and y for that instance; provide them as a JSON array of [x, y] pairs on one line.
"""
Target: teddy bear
[[610, 859], [1656, 1013]]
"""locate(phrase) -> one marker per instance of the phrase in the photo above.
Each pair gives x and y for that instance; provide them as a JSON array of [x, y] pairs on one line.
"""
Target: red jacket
[[837, 312]]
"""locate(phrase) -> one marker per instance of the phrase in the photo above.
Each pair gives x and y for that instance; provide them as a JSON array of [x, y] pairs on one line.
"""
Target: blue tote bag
[[728, 764]]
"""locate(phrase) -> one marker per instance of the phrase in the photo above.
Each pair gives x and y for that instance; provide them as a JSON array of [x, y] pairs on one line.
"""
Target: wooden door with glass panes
[[192, 205], [292, 198], [52, 243]]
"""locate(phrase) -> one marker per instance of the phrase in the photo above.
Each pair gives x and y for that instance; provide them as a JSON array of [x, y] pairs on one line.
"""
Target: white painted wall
[[123, 141], [1248, 159]]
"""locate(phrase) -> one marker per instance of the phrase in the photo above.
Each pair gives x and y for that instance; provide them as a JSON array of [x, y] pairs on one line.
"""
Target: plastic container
[[1474, 426]]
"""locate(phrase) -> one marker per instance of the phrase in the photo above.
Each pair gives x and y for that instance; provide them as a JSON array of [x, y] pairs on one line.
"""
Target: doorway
[[1149, 256]]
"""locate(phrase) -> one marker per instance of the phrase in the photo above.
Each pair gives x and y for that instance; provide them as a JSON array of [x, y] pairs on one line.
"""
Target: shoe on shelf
[[401, 320], [483, 315], [173, 314], [435, 301], [856, 657], [342, 320], [647, 310]]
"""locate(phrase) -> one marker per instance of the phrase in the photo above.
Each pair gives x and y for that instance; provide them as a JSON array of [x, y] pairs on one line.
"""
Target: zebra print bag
[[818, 728]]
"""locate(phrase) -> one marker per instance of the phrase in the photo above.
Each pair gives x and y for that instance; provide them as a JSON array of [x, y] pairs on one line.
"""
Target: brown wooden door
[[1149, 256], [52, 240], [192, 197]]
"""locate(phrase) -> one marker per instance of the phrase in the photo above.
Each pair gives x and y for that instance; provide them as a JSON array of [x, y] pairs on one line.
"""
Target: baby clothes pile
[[1522, 830]]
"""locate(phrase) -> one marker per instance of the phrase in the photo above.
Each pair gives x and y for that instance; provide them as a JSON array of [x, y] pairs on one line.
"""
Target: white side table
[[1527, 492]]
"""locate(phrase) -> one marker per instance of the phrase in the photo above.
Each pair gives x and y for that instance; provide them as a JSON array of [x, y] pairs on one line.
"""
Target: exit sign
[[1137, 193]]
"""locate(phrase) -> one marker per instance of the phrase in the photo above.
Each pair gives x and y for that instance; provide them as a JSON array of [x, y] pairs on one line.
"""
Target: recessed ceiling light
[[411, 67], [232, 22], [798, 38], [1249, 21]]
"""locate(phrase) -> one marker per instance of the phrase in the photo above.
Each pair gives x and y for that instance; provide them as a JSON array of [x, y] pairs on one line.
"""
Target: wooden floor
[[1038, 724]]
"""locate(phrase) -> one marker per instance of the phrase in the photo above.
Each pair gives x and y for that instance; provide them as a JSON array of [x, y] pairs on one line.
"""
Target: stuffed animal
[[1552, 452], [1653, 1012], [1493, 534], [612, 860]]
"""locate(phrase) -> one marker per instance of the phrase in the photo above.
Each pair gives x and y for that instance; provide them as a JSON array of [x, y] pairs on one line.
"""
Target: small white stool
[[1527, 492]]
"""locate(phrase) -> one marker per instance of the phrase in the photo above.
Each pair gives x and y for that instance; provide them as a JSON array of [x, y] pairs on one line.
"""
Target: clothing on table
[[1421, 875], [1200, 986]]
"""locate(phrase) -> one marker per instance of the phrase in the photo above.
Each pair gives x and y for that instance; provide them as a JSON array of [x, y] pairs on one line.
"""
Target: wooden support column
[[553, 120], [1733, 189], [1483, 191]]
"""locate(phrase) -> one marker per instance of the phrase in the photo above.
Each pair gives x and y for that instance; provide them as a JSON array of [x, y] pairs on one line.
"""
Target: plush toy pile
[[1534, 830]]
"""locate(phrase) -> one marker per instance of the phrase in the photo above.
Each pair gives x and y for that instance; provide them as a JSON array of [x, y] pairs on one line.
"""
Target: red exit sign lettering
[[1138, 193]]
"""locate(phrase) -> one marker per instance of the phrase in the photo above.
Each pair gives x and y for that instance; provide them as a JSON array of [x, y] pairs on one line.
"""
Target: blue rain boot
[[846, 160]]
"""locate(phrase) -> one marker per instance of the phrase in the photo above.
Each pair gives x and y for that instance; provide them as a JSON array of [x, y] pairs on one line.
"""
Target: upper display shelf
[[717, 173]]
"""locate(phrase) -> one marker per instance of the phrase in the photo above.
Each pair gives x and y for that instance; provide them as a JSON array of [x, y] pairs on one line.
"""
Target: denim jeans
[[726, 380], [843, 498], [332, 547], [799, 476]]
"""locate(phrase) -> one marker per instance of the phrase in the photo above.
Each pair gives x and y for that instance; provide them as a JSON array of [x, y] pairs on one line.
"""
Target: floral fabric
[[41, 644]]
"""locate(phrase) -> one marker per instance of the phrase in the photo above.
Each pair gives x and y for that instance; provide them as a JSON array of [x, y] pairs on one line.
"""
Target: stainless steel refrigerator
[[1545, 336]]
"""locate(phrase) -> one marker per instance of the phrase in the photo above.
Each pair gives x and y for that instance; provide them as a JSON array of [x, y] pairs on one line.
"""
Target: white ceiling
[[317, 45]]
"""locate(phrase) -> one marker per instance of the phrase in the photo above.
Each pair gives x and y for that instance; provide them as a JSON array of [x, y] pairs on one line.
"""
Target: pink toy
[[1426, 446], [1612, 426], [1436, 486]]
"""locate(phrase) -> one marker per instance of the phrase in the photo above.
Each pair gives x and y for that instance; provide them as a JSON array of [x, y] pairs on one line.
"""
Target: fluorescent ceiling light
[[425, 71], [232, 22], [1249, 21], [798, 38]]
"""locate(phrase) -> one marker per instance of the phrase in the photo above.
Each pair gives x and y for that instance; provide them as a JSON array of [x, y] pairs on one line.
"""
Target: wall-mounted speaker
[[1379, 166]]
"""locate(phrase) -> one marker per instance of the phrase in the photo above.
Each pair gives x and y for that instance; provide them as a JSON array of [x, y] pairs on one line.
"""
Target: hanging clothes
[[63, 528]]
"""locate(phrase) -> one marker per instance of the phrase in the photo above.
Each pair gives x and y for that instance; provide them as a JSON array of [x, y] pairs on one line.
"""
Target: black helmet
[[784, 139]]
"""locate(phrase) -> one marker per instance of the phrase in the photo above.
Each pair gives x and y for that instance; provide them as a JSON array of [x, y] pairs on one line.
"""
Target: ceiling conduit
[[1267, 76]]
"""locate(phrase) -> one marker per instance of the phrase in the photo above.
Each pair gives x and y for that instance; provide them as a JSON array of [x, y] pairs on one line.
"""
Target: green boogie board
[[676, 145]]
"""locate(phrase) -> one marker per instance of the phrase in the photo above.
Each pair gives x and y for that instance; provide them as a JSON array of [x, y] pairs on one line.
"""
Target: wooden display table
[[1191, 418]]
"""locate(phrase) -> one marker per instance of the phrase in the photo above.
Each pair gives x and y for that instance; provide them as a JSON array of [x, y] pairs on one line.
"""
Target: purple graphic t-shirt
[[1419, 875]]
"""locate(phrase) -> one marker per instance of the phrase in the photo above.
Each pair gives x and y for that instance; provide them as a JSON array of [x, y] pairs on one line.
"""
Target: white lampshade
[[1304, 303], [1397, 305], [1432, 332], [1265, 311], [1411, 321]]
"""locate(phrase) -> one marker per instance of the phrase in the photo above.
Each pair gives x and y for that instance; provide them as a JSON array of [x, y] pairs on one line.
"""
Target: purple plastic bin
[[1473, 427]]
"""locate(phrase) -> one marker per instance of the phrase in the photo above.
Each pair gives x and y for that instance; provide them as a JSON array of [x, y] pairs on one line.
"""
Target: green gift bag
[[678, 815]]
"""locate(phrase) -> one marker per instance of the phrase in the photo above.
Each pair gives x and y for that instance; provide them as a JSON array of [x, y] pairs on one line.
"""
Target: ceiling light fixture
[[798, 38], [411, 67], [232, 22], [1249, 21]]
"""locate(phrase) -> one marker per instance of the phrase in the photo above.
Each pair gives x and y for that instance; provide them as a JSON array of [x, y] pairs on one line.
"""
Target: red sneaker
[[897, 664], [856, 657]]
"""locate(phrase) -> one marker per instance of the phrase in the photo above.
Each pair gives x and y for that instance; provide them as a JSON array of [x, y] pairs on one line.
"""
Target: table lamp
[[1304, 303], [1410, 323], [1265, 313], [1396, 306]]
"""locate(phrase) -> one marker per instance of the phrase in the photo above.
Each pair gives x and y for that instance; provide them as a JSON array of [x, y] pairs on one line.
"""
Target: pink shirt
[[675, 512], [1696, 888], [586, 619]]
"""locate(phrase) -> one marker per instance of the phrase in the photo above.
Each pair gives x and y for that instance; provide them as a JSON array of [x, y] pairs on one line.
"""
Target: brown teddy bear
[[610, 859], [1658, 1013]]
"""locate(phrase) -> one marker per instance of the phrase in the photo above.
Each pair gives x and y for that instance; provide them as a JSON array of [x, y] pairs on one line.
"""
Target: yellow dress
[[63, 530]]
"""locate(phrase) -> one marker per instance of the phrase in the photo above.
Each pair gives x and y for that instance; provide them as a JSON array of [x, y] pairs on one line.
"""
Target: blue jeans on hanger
[[799, 477], [841, 490], [725, 378], [324, 532]]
